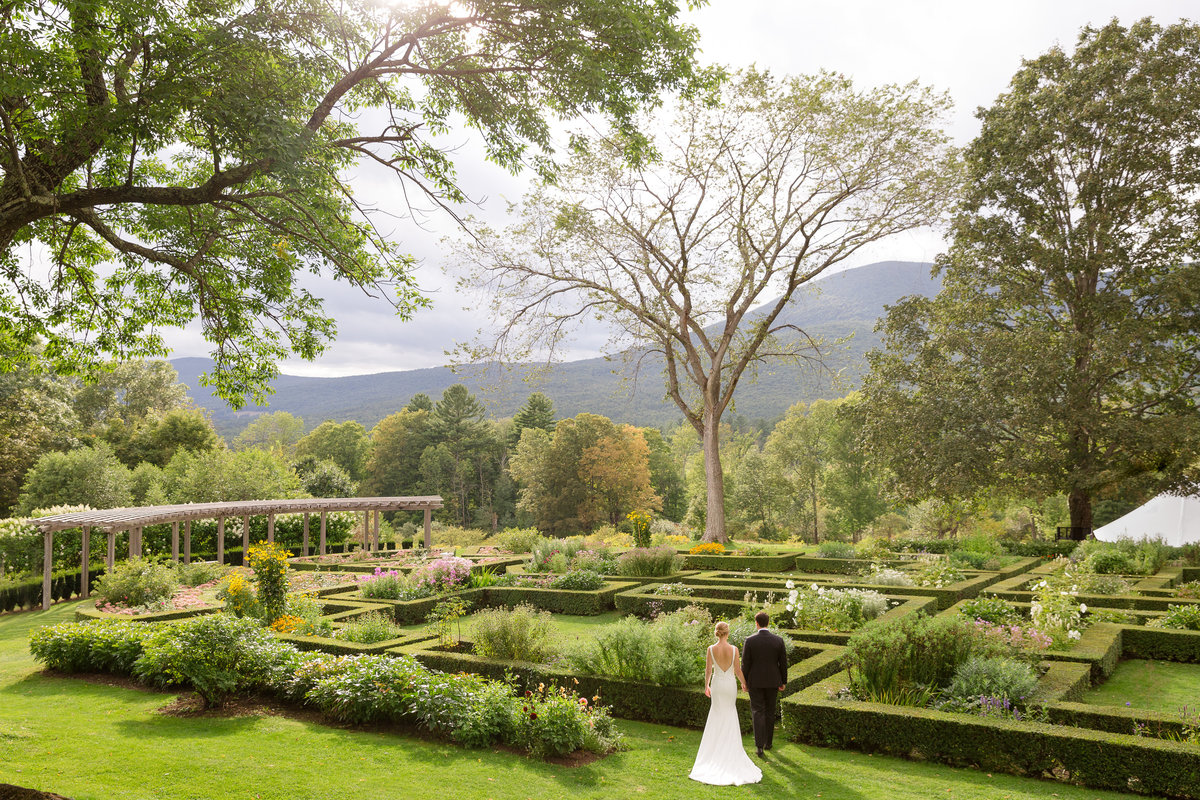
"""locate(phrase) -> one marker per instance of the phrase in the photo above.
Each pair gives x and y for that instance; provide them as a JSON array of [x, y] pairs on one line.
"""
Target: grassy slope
[[1150, 685], [108, 743]]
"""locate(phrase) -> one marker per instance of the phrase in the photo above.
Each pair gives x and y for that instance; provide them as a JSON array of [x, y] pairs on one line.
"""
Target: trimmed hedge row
[[1101, 647], [27, 592], [559, 601], [1113, 719], [1012, 589], [642, 602], [89, 611], [341, 647], [1063, 681], [775, 562], [411, 612], [844, 566], [1160, 643], [1092, 758], [946, 596]]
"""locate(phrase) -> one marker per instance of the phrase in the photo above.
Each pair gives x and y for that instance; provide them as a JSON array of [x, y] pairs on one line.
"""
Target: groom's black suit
[[764, 663]]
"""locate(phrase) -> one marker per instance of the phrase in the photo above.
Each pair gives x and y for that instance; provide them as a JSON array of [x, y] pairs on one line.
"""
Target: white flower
[[1073, 635], [1083, 608], [814, 587], [790, 584]]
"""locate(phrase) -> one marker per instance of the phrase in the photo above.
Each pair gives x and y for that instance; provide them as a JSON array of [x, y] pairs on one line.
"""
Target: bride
[[722, 760]]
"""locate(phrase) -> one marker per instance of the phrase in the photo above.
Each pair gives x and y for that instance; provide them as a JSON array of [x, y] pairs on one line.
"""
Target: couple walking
[[762, 672]]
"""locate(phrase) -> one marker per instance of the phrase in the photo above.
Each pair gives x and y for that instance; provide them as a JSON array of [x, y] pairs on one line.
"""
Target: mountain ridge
[[844, 305]]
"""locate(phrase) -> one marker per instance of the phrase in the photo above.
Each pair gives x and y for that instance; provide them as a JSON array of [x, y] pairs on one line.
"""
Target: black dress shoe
[[766, 747], [760, 753]]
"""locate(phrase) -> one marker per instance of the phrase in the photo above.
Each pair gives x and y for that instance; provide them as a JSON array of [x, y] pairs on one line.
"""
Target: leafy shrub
[[937, 573], [217, 654], [483, 579], [519, 540], [651, 562], [579, 580], [915, 650], [821, 609], [1110, 562], [92, 646], [198, 573], [522, 633], [370, 628], [974, 559], [832, 549], [136, 582], [270, 564], [240, 598], [668, 651], [393, 585], [1001, 677], [990, 609], [1186, 618], [558, 552], [1055, 609], [308, 609], [887, 576], [708, 549], [1105, 585], [1143, 557], [451, 536]]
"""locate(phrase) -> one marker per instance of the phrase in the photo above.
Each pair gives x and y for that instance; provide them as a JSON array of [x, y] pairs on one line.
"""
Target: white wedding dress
[[722, 761]]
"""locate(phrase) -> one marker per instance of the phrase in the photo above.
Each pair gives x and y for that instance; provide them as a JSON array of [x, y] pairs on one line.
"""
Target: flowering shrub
[[136, 582], [270, 564], [822, 609], [443, 574], [708, 549], [1019, 639], [887, 576], [287, 624], [392, 585], [640, 521], [1055, 609], [240, 598], [675, 589], [937, 573], [1190, 590]]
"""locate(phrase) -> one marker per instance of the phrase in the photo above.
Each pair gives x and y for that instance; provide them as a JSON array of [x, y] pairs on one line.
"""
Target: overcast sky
[[968, 49]]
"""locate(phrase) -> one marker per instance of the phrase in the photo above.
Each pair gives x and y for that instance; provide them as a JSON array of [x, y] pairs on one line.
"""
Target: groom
[[764, 663]]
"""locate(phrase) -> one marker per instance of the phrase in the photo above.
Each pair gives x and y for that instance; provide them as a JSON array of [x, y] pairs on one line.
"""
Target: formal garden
[[574, 665]]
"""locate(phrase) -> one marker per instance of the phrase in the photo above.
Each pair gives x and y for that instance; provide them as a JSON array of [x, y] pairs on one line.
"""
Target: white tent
[[1176, 520]]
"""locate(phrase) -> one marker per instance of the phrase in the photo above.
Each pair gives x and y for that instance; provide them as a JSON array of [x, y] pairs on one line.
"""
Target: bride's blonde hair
[[721, 629]]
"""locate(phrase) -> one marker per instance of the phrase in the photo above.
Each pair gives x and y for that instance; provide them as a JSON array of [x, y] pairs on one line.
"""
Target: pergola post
[[428, 528], [187, 542], [305, 551], [270, 527], [111, 557], [221, 541], [376, 531], [322, 533], [85, 563], [366, 537], [175, 542], [135, 543], [47, 566]]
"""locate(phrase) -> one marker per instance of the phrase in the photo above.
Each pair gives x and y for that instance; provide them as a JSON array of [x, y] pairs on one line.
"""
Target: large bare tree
[[753, 195]]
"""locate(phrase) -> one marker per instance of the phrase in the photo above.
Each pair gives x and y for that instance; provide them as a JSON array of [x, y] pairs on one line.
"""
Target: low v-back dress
[[722, 760]]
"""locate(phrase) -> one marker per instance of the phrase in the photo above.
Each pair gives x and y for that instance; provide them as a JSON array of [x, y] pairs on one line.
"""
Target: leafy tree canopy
[[177, 161]]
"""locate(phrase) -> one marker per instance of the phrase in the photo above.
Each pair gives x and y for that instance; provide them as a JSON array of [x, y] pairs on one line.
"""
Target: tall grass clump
[[522, 633], [649, 562]]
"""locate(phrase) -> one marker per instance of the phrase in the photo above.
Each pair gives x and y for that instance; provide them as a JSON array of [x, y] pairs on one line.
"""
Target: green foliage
[[653, 562], [93, 646], [835, 550], [823, 609], [740, 628], [1126, 557], [538, 412], [269, 561], [519, 540], [914, 650], [392, 585], [667, 652], [198, 572], [35, 417], [445, 619], [996, 677], [346, 444], [91, 476], [224, 475], [640, 521], [136, 582], [239, 596], [937, 573], [370, 628], [522, 633], [990, 609], [1182, 617], [578, 580], [327, 479], [217, 654]]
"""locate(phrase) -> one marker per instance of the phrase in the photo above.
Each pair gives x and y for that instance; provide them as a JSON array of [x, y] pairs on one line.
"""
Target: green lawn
[[93, 741], [1150, 685]]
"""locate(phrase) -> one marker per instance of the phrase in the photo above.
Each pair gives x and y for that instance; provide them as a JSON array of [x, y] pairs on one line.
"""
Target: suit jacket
[[764, 660]]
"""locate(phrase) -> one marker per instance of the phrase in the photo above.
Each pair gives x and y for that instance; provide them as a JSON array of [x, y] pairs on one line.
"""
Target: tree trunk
[[1079, 502], [714, 525]]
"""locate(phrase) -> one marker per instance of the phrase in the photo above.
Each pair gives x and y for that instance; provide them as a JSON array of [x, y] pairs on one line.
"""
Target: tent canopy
[[1175, 520]]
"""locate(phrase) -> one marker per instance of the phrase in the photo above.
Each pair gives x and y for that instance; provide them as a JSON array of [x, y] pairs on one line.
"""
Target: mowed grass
[[1150, 685], [87, 741]]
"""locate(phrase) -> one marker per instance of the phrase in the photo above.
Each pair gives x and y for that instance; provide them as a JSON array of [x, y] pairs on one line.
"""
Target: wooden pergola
[[133, 520]]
